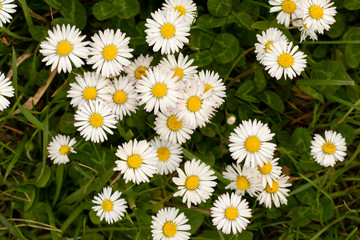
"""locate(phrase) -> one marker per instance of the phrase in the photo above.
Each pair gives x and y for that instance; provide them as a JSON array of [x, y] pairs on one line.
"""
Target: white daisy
[[242, 180], [196, 184], [6, 90], [137, 161], [93, 120], [168, 155], [123, 97], [63, 47], [269, 172], [186, 8], [230, 119], [91, 87], [230, 213], [138, 67], [266, 39], [109, 52], [251, 142], [317, 14], [285, 60], [305, 31], [109, 206], [329, 150], [277, 193], [167, 31], [171, 128], [214, 84], [6, 7], [60, 147], [168, 224], [286, 9]]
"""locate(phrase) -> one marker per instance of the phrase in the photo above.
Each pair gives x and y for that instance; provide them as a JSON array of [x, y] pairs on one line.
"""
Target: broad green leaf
[[57, 4], [200, 39], [324, 212], [219, 8], [31, 192], [11, 228], [94, 218], [273, 213], [300, 216], [104, 10], [312, 92], [32, 119], [127, 8], [66, 123], [246, 91], [307, 197], [272, 99], [208, 131], [62, 21], [202, 58], [242, 19], [208, 21], [248, 7], [195, 219], [300, 140], [352, 51], [352, 4], [261, 25], [245, 235], [225, 48], [338, 27], [307, 163], [259, 81], [45, 177]]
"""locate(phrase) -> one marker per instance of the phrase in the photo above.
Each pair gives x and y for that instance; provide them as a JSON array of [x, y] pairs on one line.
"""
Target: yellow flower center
[[167, 30], [64, 48], [285, 60], [208, 87], [288, 6], [178, 72], [159, 90], [194, 103], [107, 205], [242, 183], [266, 169], [110, 52], [267, 46], [163, 153], [139, 72], [0, 6], [192, 182], [174, 124], [316, 12], [90, 93], [274, 188], [64, 150], [96, 120], [134, 161], [169, 229], [120, 97], [252, 144], [231, 213], [329, 148], [181, 9]]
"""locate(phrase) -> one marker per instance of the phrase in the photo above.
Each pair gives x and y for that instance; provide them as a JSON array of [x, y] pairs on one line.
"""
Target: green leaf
[[312, 92], [59, 175], [208, 21], [307, 163], [31, 192], [57, 4], [352, 51], [273, 213], [260, 81], [246, 91], [338, 27], [127, 8], [202, 58], [11, 228], [352, 4], [208, 131], [323, 212], [104, 10], [200, 39], [245, 235], [219, 8], [66, 123], [62, 21], [300, 216], [33, 120], [261, 25], [225, 48], [272, 99], [307, 197], [93, 218], [195, 219], [45, 177], [242, 19], [301, 140]]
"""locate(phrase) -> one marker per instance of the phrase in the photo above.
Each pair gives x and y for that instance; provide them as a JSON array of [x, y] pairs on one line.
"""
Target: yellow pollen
[[208, 87], [274, 188], [267, 46], [329, 148], [134, 161], [252, 144], [181, 9], [140, 71], [0, 6], [120, 97], [163, 154], [107, 205], [169, 229], [316, 12], [192, 182], [64, 150], [194, 103], [266, 169], [242, 183], [159, 90], [231, 213], [288, 6], [90, 93], [64, 48], [285, 60], [178, 72], [110, 52], [96, 120], [174, 124], [167, 30]]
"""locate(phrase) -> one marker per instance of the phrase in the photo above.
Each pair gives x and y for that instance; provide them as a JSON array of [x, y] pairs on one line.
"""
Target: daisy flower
[[60, 147], [285, 60], [230, 213], [6, 7], [6, 90], [269, 172], [305, 31], [329, 150], [166, 31], [230, 119], [63, 47], [158, 90], [91, 87], [276, 194], [171, 128], [169, 224], [93, 120], [214, 84], [109, 52], [109, 206], [182, 67], [186, 8], [168, 155], [122, 97], [251, 142], [137, 161], [138, 68], [196, 184], [267, 39], [286, 9], [242, 180]]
